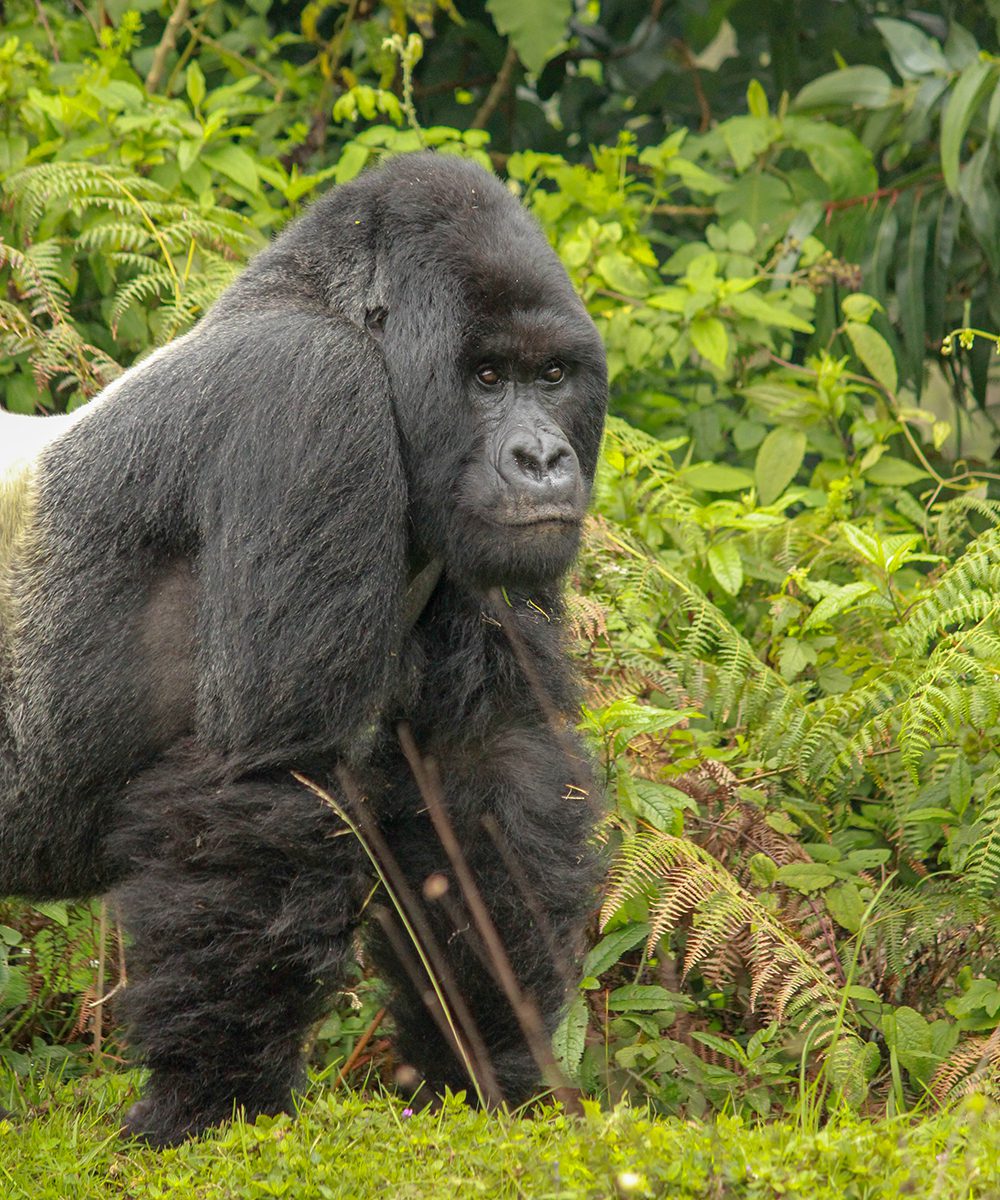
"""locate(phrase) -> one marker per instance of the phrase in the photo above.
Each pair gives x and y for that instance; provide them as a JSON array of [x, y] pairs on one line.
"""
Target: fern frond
[[683, 881]]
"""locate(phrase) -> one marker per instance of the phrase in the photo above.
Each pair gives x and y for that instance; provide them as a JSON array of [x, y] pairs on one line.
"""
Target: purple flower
[[407, 1112]]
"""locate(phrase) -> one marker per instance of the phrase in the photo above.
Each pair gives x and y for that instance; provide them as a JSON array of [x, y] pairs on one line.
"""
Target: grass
[[343, 1145]]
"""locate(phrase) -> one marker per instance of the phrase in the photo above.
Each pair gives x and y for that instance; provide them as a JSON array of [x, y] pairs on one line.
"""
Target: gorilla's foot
[[167, 1116]]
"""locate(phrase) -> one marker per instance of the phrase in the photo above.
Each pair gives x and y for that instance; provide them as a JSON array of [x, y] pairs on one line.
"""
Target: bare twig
[[462, 1031], [167, 43], [44, 22], [359, 1048], [97, 1009], [522, 1003], [497, 91]]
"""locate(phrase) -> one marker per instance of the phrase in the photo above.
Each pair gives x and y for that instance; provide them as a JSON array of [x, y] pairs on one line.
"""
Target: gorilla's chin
[[528, 554]]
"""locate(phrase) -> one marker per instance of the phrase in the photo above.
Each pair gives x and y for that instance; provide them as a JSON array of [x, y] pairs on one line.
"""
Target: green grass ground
[[345, 1145]]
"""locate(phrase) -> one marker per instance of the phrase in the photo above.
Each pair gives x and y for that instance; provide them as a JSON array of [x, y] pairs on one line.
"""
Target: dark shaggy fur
[[211, 592]]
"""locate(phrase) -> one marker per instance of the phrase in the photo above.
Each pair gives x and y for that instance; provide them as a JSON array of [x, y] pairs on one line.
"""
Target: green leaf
[[569, 1039], [641, 997], [851, 87], [894, 472], [709, 337], [846, 905], [659, 804], [195, 83], [726, 566], [794, 656], [972, 87], [757, 99], [860, 307], [235, 163], [613, 945], [913, 53], [716, 477], [763, 869], [535, 30], [778, 461], [875, 352], [805, 877], [837, 156], [748, 137], [623, 274], [840, 601], [752, 304]]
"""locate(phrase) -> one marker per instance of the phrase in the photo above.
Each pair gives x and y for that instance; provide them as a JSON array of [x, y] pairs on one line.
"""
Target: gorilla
[[320, 536]]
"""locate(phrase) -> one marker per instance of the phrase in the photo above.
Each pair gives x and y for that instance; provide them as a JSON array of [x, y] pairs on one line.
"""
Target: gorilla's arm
[[302, 562], [252, 475]]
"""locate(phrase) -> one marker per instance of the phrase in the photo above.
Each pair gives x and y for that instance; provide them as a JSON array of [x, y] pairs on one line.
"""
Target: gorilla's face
[[499, 383], [534, 387]]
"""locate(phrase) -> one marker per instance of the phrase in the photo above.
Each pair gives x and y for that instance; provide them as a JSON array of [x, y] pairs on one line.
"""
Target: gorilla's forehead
[[533, 335]]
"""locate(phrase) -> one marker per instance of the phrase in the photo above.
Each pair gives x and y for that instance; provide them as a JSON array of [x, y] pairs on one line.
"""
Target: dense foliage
[[787, 610]]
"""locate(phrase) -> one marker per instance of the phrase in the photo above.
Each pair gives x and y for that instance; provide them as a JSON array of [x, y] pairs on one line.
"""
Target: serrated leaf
[[874, 351], [840, 601], [641, 997], [752, 304], [709, 338], [623, 274], [613, 945], [747, 137], [535, 30], [793, 658], [778, 461], [726, 566], [971, 88], [659, 804], [569, 1039]]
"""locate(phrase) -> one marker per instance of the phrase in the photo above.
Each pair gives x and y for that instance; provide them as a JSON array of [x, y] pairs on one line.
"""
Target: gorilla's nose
[[541, 465]]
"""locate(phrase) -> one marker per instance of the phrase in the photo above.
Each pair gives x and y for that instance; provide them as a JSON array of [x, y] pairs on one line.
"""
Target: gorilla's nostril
[[528, 463]]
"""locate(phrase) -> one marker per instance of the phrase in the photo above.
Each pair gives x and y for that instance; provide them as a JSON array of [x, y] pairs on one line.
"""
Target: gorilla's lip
[[545, 516]]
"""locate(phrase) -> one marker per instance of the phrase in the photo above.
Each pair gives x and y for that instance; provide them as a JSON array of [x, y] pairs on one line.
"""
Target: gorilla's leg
[[240, 903], [523, 832]]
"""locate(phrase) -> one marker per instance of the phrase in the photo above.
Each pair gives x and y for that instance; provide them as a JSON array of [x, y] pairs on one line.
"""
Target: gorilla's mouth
[[539, 516]]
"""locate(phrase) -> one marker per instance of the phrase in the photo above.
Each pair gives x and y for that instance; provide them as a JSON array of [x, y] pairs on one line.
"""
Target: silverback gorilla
[[337, 510]]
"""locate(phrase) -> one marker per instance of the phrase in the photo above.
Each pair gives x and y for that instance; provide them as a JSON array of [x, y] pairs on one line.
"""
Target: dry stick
[[503, 614], [484, 1077], [167, 42], [523, 884], [98, 1009], [359, 1047], [523, 1005], [488, 1091], [43, 19], [497, 91]]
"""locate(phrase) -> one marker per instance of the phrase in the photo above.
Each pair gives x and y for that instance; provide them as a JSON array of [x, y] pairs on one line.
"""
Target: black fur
[[210, 591]]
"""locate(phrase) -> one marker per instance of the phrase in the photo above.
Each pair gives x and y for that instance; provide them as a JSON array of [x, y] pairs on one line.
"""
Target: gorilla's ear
[[375, 322]]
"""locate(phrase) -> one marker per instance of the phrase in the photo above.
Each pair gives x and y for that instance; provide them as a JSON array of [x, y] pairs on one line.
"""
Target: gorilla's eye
[[488, 375], [553, 373]]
